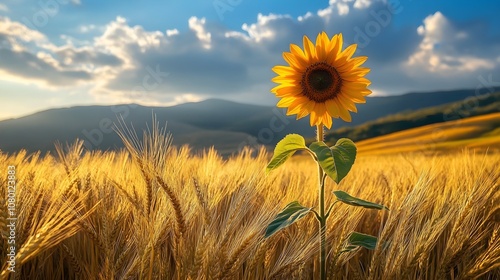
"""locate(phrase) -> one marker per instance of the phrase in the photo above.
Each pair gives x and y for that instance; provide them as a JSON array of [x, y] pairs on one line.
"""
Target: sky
[[62, 53]]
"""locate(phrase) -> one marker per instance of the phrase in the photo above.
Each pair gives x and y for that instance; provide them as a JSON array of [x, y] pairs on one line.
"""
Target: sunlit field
[[158, 212], [480, 133]]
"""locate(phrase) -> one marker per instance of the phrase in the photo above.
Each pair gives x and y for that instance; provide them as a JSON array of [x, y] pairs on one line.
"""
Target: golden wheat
[[154, 211]]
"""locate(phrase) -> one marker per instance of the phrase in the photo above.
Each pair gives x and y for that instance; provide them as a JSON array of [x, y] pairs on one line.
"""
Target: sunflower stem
[[322, 216]]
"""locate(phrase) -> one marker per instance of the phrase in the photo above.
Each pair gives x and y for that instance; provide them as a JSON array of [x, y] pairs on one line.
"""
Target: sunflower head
[[321, 80]]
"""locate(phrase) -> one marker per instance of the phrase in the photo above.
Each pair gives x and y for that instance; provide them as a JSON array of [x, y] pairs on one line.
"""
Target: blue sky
[[59, 53]]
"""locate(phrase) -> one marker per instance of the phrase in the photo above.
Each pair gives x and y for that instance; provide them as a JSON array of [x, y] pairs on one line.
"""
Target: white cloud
[[198, 26], [20, 32], [89, 28], [172, 32], [361, 4], [343, 8], [438, 51], [261, 30], [4, 8], [131, 64]]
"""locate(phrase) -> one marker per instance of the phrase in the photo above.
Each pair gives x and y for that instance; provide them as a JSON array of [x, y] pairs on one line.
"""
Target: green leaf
[[289, 215], [354, 201], [285, 149], [362, 240], [336, 161]]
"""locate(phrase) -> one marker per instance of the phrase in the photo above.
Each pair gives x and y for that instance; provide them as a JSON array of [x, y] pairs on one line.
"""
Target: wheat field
[[154, 211]]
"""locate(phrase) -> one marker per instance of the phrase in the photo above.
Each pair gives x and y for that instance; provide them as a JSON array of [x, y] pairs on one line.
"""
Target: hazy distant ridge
[[226, 125]]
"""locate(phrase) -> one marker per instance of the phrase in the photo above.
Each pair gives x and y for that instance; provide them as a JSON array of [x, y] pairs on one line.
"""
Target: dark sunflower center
[[321, 82], [320, 79]]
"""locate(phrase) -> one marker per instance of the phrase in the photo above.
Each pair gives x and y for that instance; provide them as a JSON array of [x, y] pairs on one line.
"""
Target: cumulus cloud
[[125, 62], [452, 54], [25, 56], [3, 8], [440, 50]]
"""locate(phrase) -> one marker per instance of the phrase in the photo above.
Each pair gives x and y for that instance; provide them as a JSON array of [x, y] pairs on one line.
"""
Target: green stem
[[322, 217]]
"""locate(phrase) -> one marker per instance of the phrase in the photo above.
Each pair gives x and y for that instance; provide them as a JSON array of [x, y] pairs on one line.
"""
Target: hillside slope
[[480, 133], [471, 106]]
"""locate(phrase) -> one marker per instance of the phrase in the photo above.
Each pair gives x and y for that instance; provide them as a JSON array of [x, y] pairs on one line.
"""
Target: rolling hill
[[228, 126], [471, 106], [479, 133]]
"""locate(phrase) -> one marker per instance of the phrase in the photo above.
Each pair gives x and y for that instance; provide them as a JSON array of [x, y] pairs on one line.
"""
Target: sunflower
[[321, 80]]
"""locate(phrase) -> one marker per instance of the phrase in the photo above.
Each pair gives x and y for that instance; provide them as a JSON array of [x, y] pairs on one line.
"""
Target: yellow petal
[[327, 120], [285, 102], [353, 86], [338, 44], [357, 61], [344, 114], [299, 54], [333, 108], [354, 96], [283, 79], [344, 65], [298, 104], [321, 44], [349, 51], [288, 91], [276, 88], [317, 113], [305, 109], [283, 70], [292, 60], [347, 103], [309, 49], [288, 94]]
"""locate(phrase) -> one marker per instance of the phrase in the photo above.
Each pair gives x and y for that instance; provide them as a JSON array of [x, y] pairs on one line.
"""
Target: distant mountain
[[228, 126]]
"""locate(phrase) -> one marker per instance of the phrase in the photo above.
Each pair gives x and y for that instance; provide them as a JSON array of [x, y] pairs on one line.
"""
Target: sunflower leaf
[[361, 240], [285, 149], [354, 201], [337, 160], [289, 215]]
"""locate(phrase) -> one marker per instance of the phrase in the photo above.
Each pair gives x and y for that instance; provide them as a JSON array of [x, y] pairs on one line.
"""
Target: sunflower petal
[[294, 95], [283, 70], [338, 44], [347, 103], [318, 113], [309, 49], [354, 96], [349, 51], [327, 120], [306, 109], [293, 61], [283, 79], [299, 54], [321, 44], [298, 105], [333, 108], [357, 61], [276, 88], [285, 102], [344, 114]]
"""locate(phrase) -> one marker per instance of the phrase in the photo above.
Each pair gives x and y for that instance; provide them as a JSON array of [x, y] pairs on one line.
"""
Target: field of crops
[[158, 212]]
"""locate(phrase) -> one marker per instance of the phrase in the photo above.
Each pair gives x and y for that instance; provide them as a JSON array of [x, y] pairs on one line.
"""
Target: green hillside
[[478, 133], [469, 107]]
